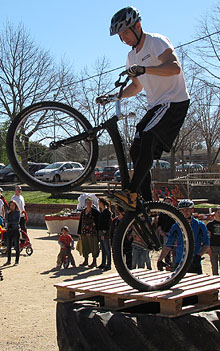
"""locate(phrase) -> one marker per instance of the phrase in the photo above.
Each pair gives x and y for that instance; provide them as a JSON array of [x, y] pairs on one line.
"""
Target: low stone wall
[[36, 212]]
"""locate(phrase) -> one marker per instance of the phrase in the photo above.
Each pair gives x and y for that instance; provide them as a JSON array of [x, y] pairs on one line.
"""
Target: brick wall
[[36, 212]]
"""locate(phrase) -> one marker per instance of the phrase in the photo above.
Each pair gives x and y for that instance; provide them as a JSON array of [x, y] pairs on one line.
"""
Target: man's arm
[[133, 89], [169, 66], [164, 253], [205, 240]]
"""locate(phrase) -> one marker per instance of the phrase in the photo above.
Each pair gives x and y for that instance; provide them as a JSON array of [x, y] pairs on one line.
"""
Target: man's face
[[18, 191], [217, 215], [187, 212], [128, 37]]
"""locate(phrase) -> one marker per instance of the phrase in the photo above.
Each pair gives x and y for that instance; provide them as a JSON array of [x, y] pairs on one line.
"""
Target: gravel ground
[[28, 309]]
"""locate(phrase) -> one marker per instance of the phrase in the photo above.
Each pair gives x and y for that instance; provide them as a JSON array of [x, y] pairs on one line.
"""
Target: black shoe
[[16, 263], [7, 263], [101, 266], [93, 264], [106, 269]]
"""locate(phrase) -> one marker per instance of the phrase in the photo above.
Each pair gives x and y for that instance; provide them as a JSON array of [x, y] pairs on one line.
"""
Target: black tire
[[29, 251], [3, 249], [66, 262], [30, 134], [155, 280]]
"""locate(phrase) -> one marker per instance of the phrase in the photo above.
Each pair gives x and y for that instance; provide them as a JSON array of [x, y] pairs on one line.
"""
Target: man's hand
[[135, 71]]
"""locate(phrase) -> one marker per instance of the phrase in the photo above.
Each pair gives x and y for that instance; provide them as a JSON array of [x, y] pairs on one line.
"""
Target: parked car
[[190, 166], [34, 167], [60, 171], [161, 164], [108, 172], [98, 173], [2, 165], [7, 174], [117, 176]]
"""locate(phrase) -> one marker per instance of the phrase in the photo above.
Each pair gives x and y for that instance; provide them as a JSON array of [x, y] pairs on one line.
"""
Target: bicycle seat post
[[118, 109]]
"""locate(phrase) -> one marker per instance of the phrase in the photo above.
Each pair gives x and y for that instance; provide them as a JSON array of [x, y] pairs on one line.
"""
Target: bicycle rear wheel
[[28, 140], [150, 278]]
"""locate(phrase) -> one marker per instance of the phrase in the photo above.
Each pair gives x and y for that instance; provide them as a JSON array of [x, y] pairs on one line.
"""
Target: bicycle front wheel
[[28, 147], [131, 253]]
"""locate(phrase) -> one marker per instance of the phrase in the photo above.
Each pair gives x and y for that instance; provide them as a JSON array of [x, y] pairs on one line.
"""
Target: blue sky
[[79, 30]]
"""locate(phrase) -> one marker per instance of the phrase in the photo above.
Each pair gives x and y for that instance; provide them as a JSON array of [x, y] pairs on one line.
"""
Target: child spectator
[[66, 243]]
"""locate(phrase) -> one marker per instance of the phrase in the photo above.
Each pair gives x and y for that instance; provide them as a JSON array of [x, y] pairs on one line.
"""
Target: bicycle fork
[[145, 229]]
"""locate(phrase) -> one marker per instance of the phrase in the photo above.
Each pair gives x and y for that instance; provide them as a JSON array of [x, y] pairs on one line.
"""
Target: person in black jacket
[[13, 231], [104, 234]]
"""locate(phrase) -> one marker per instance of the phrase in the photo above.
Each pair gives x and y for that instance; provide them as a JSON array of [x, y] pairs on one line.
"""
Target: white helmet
[[123, 19], [186, 203]]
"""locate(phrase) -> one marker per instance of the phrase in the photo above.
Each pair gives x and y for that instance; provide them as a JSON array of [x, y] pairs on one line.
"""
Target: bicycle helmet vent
[[123, 19], [186, 203]]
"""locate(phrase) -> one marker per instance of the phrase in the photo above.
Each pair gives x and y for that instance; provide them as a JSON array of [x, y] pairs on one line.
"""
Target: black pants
[[23, 224], [13, 235], [155, 133], [142, 154]]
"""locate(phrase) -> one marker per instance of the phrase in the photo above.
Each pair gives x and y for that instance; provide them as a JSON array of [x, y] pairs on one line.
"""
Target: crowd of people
[[14, 217], [97, 226]]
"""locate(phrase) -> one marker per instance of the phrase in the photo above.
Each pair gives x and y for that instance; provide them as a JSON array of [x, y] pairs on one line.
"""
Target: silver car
[[60, 172]]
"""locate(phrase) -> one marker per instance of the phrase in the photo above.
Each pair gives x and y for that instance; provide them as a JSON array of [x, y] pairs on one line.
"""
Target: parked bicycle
[[47, 126]]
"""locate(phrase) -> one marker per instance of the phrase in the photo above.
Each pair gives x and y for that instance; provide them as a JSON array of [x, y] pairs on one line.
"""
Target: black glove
[[161, 265], [135, 70]]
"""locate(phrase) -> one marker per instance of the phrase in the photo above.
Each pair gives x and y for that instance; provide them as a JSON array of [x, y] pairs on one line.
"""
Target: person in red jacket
[[65, 241]]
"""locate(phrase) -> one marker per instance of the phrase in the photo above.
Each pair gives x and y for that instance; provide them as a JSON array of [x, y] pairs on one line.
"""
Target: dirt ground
[[28, 309]]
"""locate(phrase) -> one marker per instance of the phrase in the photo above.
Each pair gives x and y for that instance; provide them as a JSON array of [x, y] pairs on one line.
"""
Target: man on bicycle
[[152, 64]]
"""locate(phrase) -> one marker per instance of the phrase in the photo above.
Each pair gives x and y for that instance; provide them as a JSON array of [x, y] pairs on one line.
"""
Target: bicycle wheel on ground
[[129, 234], [29, 250], [29, 138]]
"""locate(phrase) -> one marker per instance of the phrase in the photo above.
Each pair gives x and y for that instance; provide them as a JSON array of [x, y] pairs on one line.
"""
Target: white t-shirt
[[1, 207], [20, 201], [159, 89]]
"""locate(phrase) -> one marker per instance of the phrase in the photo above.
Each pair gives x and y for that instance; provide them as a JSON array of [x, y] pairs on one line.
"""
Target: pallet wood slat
[[117, 294]]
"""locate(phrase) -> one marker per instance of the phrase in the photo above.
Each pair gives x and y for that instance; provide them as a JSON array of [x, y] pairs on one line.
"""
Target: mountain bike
[[51, 127]]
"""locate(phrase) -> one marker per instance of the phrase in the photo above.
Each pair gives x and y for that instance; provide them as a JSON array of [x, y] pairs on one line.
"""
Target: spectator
[[13, 231], [19, 199], [214, 233], [127, 248], [201, 238], [104, 234], [140, 254], [66, 243], [2, 207], [164, 225], [88, 230]]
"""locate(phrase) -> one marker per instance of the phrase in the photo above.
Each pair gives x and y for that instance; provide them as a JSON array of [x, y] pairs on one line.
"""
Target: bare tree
[[206, 117], [205, 55], [27, 75]]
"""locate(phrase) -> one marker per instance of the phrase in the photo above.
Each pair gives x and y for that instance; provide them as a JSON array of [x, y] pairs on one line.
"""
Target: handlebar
[[105, 99]]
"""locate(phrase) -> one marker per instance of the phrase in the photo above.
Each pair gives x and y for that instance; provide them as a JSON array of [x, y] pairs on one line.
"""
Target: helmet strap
[[138, 38]]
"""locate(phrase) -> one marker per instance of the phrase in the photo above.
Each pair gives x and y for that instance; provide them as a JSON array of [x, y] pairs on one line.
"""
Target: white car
[[60, 172]]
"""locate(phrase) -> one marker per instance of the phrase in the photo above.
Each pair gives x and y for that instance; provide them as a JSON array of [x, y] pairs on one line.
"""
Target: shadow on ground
[[75, 273]]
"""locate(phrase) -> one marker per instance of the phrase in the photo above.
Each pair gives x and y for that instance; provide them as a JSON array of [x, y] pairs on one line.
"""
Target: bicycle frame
[[147, 232]]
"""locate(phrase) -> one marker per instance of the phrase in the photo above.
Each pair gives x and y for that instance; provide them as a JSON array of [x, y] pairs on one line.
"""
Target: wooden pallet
[[118, 295]]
